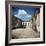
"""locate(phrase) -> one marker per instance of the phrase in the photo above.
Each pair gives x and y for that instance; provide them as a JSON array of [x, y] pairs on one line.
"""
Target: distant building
[[28, 24]]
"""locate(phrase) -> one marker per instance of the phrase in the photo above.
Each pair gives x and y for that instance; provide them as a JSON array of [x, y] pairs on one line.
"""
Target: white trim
[[25, 4]]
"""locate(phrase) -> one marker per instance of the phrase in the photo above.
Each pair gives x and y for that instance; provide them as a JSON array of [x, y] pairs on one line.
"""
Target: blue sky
[[24, 13]]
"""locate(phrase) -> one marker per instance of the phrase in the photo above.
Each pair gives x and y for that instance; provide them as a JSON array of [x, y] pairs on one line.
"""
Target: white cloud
[[28, 15], [22, 12], [15, 15]]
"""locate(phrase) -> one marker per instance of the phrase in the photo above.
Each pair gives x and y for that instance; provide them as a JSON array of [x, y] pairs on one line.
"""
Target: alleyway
[[25, 33]]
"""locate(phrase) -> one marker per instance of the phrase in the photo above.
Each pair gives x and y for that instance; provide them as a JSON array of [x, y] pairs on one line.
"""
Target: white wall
[[3, 24]]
